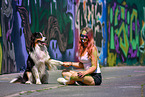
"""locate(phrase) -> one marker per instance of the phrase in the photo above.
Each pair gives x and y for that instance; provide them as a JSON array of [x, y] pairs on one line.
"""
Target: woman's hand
[[81, 74], [66, 64]]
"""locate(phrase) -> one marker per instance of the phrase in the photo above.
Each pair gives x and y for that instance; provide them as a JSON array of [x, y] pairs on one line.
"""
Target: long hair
[[90, 42]]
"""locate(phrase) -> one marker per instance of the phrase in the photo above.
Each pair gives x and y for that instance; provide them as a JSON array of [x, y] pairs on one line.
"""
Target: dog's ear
[[32, 42], [32, 38]]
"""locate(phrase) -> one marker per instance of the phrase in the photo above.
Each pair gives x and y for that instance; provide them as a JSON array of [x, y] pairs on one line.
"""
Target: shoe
[[62, 81]]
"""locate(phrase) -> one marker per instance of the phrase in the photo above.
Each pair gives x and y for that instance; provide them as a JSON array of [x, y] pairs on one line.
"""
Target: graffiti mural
[[21, 18], [124, 28], [142, 41], [118, 26], [54, 19], [90, 13], [87, 14], [8, 55]]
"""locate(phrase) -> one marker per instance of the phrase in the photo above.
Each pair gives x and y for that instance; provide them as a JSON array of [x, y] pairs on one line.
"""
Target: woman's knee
[[74, 76], [65, 72]]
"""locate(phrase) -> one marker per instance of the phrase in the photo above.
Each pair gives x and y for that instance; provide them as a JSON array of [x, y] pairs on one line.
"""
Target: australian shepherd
[[38, 58]]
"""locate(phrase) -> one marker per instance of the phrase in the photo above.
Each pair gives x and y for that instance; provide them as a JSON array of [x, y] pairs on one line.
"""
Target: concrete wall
[[118, 30]]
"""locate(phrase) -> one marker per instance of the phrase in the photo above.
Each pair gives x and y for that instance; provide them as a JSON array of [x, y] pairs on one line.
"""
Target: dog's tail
[[19, 79]]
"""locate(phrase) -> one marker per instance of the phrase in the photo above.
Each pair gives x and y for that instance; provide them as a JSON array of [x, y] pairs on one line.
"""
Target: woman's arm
[[74, 64], [77, 64]]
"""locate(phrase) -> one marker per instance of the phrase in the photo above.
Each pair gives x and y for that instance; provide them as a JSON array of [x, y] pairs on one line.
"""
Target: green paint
[[116, 16], [128, 17], [122, 12], [134, 42], [116, 31], [111, 15], [112, 46]]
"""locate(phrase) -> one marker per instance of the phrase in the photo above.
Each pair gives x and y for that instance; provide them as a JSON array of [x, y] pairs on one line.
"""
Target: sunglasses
[[83, 38]]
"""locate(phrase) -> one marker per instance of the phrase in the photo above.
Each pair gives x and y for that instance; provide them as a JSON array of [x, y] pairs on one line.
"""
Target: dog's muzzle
[[43, 39]]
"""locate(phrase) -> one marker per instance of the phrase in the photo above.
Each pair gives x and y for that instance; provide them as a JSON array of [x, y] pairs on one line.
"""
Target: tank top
[[87, 63]]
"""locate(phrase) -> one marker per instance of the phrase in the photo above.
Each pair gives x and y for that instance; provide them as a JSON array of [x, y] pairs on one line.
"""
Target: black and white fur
[[38, 58]]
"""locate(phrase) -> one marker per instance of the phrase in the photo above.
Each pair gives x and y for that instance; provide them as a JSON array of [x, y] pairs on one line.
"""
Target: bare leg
[[88, 80], [67, 75], [73, 76]]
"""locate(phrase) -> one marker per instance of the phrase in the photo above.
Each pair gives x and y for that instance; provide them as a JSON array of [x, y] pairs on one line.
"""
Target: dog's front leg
[[52, 64], [36, 75], [30, 78]]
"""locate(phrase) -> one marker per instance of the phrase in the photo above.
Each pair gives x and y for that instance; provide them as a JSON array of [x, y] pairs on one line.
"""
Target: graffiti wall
[[21, 18], [118, 25], [59, 20], [8, 53], [92, 13], [124, 27]]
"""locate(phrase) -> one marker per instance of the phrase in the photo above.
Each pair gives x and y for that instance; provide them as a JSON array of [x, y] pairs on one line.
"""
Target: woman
[[88, 60]]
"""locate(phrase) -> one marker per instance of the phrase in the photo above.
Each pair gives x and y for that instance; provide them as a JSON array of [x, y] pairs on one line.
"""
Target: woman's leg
[[88, 80], [72, 76], [67, 75]]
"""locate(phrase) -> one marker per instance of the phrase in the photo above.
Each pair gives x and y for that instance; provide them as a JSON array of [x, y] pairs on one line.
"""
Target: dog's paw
[[28, 82]]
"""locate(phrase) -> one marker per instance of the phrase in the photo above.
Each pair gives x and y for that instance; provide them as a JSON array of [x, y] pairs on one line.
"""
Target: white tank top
[[87, 63]]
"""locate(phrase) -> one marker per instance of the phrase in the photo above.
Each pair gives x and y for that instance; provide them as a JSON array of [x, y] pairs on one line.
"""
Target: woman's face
[[84, 38]]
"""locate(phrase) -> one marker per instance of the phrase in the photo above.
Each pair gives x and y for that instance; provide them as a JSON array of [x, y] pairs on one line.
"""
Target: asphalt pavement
[[125, 81]]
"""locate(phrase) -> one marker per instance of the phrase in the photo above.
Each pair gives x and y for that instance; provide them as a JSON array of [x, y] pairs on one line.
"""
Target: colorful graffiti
[[90, 13], [118, 27], [21, 18], [123, 32], [142, 41], [54, 19], [87, 14], [8, 58]]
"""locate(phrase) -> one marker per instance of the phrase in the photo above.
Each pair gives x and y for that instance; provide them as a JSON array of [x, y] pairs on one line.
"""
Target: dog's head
[[37, 38]]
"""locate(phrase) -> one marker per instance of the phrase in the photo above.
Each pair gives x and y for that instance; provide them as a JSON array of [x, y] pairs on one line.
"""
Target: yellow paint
[[111, 60], [141, 39], [142, 55], [84, 32], [116, 16], [124, 46], [124, 3], [0, 58]]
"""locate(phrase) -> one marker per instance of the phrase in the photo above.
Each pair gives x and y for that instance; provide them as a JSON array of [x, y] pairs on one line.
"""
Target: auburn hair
[[90, 42]]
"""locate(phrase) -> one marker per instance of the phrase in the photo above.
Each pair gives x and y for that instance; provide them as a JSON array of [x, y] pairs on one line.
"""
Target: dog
[[36, 72]]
